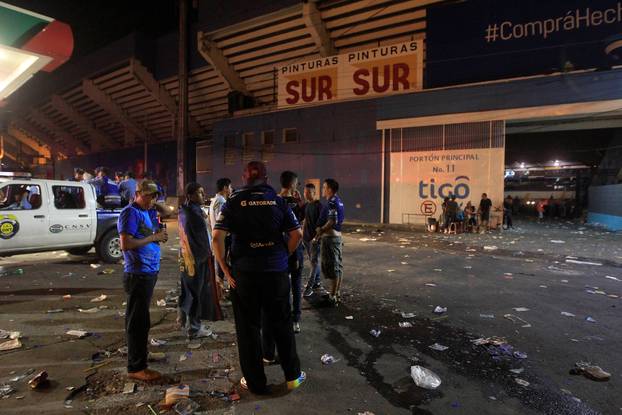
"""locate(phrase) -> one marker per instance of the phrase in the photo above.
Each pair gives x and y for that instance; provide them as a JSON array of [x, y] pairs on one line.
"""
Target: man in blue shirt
[[329, 232], [258, 219], [127, 188], [140, 234], [107, 190]]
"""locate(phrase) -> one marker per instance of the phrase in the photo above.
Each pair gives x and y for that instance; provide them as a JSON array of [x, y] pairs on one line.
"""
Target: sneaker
[[296, 327], [201, 333], [243, 383], [293, 384], [146, 375], [308, 292]]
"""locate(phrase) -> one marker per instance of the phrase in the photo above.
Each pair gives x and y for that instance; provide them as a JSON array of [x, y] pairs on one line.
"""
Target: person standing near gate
[[329, 232], [257, 219], [140, 235], [199, 297]]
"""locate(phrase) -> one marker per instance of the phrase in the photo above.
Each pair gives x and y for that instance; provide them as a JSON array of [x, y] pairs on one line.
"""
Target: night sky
[[98, 22]]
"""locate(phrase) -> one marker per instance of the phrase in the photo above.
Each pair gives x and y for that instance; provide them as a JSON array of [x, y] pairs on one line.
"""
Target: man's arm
[[294, 240], [323, 229], [218, 244], [128, 242]]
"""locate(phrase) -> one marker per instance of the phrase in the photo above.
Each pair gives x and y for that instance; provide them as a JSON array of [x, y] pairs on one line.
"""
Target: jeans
[[313, 253], [139, 289], [296, 262], [257, 297]]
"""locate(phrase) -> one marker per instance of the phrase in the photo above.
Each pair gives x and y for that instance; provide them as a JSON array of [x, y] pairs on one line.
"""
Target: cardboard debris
[[78, 333], [99, 299], [40, 380], [129, 387], [175, 394], [89, 310], [10, 345]]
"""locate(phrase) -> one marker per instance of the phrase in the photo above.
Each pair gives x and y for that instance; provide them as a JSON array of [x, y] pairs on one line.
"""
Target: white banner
[[420, 181], [384, 70]]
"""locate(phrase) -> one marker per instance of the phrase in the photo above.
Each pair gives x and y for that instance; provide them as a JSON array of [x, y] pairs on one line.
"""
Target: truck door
[[23, 218], [71, 219]]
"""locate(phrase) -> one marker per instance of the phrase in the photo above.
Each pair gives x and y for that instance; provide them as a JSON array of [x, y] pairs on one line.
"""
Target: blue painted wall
[[605, 206]]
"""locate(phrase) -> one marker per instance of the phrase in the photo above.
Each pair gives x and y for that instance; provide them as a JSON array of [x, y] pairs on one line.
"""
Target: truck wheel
[[83, 250], [109, 247]]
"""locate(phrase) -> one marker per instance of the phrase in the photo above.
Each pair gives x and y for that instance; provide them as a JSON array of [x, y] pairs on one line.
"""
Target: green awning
[[17, 25]]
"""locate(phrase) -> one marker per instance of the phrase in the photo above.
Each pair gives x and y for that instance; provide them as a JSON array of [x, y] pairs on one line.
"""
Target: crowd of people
[[455, 219], [250, 244], [114, 192]]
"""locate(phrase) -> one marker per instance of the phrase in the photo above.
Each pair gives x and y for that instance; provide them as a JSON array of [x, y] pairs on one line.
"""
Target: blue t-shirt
[[140, 223], [332, 210], [257, 219]]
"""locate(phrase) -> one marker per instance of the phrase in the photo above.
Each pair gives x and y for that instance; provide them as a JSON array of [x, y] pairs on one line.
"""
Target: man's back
[[257, 218]]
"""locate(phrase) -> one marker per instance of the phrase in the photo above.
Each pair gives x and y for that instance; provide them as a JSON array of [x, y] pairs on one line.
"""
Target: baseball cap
[[255, 170], [148, 187]]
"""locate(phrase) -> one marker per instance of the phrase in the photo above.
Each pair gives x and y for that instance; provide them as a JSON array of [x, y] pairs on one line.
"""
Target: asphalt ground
[[386, 273]]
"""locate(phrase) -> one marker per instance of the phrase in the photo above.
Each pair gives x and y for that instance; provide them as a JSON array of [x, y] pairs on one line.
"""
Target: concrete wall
[[605, 206], [338, 141]]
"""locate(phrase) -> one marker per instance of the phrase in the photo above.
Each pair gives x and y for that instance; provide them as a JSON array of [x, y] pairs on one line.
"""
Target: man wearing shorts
[[329, 233]]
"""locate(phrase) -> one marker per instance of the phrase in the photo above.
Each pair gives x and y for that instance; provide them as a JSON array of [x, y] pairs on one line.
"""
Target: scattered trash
[[5, 391], [408, 315], [55, 310], [482, 341], [520, 355], [430, 284], [375, 333], [157, 342], [590, 319], [349, 317], [106, 271], [129, 387], [122, 350], [95, 266], [567, 314], [390, 270], [405, 324], [438, 347], [328, 359], [99, 299], [564, 281], [487, 316], [22, 376], [39, 381], [543, 286], [161, 303], [155, 356], [67, 297], [194, 346], [367, 239], [517, 320], [490, 248], [186, 407], [557, 241], [78, 333], [424, 378], [574, 261], [4, 334], [612, 278], [522, 382], [89, 310], [438, 270], [440, 310], [175, 394], [590, 371], [366, 413], [518, 371], [10, 345], [520, 309]]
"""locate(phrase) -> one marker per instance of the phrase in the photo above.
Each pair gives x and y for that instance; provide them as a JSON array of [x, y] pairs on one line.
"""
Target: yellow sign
[[384, 70], [9, 226]]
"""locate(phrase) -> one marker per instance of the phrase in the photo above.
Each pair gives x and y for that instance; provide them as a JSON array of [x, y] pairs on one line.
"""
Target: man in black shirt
[[484, 211], [313, 208]]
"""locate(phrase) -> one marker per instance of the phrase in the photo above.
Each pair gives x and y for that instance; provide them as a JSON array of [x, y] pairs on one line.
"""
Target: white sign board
[[420, 180]]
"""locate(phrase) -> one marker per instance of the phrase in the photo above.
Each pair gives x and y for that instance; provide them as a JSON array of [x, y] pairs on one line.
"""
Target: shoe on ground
[[296, 383], [308, 292], [146, 375], [244, 386], [201, 333], [296, 327]]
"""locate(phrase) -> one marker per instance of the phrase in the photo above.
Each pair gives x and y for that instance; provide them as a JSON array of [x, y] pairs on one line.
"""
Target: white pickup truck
[[49, 215]]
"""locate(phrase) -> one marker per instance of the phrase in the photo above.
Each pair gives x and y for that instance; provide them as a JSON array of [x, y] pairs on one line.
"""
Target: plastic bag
[[424, 378]]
